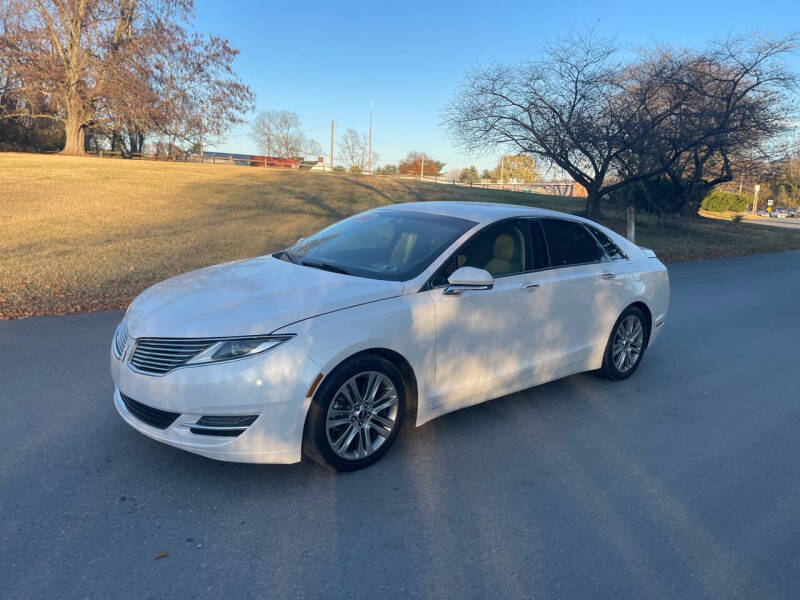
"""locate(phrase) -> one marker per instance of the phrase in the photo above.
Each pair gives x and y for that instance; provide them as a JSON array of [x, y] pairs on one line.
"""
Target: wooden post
[[631, 230]]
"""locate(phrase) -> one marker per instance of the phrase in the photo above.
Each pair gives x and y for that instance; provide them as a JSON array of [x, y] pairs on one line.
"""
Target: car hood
[[248, 297]]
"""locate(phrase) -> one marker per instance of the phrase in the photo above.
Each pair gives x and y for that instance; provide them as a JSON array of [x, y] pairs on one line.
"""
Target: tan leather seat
[[502, 262]]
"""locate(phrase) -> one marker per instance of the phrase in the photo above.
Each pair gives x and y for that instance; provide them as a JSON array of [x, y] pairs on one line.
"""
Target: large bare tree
[[610, 124], [737, 97]]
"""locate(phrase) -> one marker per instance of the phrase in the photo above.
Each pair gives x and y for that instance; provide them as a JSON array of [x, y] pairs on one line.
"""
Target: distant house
[[223, 157], [312, 165]]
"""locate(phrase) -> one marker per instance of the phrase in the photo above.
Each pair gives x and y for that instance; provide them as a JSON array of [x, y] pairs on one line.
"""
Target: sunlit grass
[[89, 234]]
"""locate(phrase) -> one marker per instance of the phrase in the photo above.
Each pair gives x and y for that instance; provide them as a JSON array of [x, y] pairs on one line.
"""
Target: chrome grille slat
[[159, 356], [174, 351], [172, 341], [153, 361], [174, 348], [153, 353], [120, 339]]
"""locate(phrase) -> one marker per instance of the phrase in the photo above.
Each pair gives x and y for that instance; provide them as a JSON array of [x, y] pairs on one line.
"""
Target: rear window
[[610, 247], [570, 243]]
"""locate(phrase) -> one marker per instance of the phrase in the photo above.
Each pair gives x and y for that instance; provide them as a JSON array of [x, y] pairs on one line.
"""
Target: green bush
[[718, 201]]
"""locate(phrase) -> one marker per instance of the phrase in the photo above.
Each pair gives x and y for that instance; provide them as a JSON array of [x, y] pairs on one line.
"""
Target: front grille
[[161, 355], [120, 339], [160, 419]]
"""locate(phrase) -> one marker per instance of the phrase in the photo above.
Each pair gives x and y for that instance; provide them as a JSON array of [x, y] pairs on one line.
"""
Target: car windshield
[[394, 245]]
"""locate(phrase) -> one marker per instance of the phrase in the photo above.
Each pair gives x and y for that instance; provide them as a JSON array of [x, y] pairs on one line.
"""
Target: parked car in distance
[[762, 213], [402, 313]]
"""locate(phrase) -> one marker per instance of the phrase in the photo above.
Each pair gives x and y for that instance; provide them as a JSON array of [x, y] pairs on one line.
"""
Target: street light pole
[[369, 158], [331, 145]]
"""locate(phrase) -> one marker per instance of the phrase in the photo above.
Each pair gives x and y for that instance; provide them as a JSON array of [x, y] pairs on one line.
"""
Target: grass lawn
[[83, 234]]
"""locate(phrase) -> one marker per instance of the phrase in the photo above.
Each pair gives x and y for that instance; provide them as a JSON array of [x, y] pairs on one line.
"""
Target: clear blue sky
[[327, 60]]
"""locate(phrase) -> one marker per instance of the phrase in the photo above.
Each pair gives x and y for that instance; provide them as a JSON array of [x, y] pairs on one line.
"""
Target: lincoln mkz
[[398, 314]]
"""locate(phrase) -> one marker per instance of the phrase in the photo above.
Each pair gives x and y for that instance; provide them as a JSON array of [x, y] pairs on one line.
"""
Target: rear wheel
[[356, 414], [626, 345]]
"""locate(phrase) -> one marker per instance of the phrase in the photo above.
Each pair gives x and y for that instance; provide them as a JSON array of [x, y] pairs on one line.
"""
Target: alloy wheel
[[362, 415], [628, 343]]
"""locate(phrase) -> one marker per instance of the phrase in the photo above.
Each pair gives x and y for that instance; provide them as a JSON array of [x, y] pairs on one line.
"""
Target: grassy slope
[[88, 234]]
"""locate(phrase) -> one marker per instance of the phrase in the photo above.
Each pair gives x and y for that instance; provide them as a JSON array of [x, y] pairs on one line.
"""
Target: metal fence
[[554, 188]]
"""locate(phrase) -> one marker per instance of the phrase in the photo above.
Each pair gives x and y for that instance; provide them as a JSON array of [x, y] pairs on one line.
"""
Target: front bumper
[[272, 385]]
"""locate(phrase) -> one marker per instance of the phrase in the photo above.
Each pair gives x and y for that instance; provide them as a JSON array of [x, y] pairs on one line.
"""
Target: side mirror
[[468, 278]]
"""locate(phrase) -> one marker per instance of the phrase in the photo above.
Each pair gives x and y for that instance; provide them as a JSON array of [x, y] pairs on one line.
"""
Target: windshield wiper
[[285, 254], [324, 266]]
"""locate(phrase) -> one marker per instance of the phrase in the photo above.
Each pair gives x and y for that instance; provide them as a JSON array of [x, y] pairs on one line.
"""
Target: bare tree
[[609, 125], [198, 96], [564, 108], [354, 151], [278, 132], [737, 101]]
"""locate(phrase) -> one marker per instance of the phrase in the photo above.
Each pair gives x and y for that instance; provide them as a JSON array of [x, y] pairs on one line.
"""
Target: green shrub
[[718, 201]]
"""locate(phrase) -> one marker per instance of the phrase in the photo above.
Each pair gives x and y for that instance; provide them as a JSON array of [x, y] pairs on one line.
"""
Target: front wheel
[[356, 414], [626, 345]]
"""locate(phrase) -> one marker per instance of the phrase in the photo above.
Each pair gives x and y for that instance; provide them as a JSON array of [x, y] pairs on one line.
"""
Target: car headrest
[[504, 247]]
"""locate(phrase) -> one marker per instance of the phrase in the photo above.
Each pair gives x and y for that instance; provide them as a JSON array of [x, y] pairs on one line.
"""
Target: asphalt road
[[792, 223], [681, 482]]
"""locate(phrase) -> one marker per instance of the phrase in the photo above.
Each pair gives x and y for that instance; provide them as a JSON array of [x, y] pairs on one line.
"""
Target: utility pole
[[502, 172], [369, 158], [331, 145], [422, 167]]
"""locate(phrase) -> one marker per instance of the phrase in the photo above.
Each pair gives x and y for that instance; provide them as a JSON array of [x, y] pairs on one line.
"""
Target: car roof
[[480, 212]]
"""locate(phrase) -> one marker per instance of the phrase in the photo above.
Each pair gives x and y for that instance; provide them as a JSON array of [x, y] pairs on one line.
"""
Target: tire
[[347, 435], [621, 360]]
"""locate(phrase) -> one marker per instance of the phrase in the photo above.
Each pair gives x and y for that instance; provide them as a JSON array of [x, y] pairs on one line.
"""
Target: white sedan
[[401, 313]]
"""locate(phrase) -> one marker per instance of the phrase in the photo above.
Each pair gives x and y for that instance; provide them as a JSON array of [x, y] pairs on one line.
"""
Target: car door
[[583, 296], [484, 337]]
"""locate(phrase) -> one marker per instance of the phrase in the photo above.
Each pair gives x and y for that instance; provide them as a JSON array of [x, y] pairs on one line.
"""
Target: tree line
[[75, 74], [664, 124]]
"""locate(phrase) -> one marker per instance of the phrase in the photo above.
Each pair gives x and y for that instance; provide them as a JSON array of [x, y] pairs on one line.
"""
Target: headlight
[[237, 348]]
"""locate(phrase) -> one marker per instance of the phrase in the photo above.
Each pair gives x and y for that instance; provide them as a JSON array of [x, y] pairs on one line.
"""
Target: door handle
[[607, 276], [531, 286]]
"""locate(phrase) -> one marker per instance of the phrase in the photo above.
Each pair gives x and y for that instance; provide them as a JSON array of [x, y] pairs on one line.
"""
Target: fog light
[[233, 421], [225, 426]]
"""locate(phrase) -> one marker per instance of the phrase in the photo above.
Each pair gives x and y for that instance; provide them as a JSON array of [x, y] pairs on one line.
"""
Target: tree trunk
[[693, 197], [592, 204], [75, 132], [137, 142]]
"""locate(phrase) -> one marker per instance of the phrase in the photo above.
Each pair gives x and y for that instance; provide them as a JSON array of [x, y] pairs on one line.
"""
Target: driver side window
[[500, 249]]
